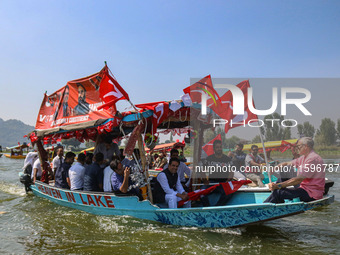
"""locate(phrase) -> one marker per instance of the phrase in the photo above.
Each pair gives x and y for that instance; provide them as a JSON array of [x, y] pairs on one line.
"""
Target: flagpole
[[265, 156]]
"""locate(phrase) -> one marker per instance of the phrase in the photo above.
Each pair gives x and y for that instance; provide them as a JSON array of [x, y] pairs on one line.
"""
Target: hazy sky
[[155, 47]]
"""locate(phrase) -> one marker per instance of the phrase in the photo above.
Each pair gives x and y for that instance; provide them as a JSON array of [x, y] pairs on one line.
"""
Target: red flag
[[237, 120], [285, 146], [203, 86], [160, 112], [110, 91], [228, 187], [224, 108], [77, 102], [208, 148]]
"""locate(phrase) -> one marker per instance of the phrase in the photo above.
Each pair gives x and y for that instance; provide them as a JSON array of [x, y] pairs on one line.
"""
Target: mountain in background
[[12, 132]]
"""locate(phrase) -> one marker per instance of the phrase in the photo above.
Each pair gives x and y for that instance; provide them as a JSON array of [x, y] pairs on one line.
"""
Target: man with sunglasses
[[310, 176]]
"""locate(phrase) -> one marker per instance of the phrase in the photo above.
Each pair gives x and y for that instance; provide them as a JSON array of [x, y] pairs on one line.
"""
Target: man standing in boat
[[310, 176], [61, 174], [168, 187], [58, 160], [93, 178], [108, 148], [76, 173], [82, 107]]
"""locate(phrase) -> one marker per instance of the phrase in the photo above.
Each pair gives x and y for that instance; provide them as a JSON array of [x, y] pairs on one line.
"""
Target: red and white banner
[[204, 86], [160, 112], [79, 101], [224, 108]]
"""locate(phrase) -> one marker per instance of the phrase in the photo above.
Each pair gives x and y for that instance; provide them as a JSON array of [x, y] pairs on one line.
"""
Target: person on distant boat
[[93, 178], [161, 161], [310, 176], [62, 174], [58, 160], [253, 166], [82, 107], [182, 169], [238, 158], [76, 173], [168, 187], [121, 182], [182, 158], [107, 148]]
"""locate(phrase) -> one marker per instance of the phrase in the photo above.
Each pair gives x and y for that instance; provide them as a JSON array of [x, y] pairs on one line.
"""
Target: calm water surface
[[31, 225]]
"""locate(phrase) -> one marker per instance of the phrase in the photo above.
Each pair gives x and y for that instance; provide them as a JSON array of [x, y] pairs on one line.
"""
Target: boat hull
[[15, 156], [233, 215]]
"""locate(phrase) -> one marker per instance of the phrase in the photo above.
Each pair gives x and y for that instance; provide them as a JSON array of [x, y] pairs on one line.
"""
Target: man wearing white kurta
[[182, 169], [169, 187]]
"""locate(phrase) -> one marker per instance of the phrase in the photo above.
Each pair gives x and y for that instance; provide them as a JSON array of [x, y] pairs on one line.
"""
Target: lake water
[[32, 225]]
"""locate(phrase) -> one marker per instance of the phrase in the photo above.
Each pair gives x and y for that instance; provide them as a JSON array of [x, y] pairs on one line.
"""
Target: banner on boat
[[82, 100]]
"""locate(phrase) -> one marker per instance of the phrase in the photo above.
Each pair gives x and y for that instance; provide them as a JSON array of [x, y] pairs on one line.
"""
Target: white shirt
[[107, 179], [76, 174], [56, 162], [37, 165], [163, 181], [182, 168]]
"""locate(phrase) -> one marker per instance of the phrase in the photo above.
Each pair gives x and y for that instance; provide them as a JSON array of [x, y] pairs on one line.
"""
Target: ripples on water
[[32, 225]]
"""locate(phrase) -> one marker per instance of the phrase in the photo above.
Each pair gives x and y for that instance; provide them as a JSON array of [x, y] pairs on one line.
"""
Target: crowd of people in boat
[[107, 170]]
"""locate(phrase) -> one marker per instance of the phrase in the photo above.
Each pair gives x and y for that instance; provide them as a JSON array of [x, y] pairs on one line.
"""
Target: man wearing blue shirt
[[93, 178], [61, 174], [120, 179]]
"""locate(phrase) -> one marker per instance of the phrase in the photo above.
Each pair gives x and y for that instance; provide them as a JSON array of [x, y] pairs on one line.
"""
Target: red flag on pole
[[204, 85], [224, 109], [160, 112], [208, 147], [110, 91]]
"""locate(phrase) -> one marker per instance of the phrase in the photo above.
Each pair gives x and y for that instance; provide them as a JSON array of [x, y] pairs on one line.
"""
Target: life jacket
[[158, 192]]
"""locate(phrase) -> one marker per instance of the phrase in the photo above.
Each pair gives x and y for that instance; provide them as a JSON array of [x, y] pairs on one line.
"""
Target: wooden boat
[[245, 207], [17, 151], [15, 156]]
